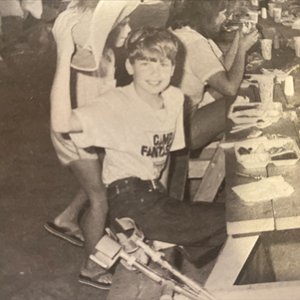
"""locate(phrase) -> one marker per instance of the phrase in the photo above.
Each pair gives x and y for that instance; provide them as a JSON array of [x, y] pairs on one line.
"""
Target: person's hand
[[248, 40], [62, 32]]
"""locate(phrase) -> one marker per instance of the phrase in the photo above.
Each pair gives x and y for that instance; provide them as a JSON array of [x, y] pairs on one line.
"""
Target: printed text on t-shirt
[[161, 144]]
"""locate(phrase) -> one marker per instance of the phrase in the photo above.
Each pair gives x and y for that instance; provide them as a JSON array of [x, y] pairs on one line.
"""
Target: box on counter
[[258, 154]]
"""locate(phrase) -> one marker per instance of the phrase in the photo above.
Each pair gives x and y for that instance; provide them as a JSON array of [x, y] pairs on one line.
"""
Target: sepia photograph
[[149, 149]]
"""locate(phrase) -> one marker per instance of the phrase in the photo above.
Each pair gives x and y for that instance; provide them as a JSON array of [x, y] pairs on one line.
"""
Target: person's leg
[[68, 219], [88, 174], [166, 219]]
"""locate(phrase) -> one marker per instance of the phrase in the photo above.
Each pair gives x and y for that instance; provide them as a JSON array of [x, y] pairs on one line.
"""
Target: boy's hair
[[151, 44]]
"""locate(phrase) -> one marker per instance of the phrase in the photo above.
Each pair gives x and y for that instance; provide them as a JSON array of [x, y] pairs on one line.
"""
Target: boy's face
[[151, 76]]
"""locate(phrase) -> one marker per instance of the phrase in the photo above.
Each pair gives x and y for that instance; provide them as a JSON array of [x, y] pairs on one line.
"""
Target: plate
[[252, 112], [287, 23]]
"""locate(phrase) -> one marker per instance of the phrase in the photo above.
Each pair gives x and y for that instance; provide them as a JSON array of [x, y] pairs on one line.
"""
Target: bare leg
[[69, 217], [88, 174]]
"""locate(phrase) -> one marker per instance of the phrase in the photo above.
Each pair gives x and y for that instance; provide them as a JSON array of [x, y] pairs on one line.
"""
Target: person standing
[[97, 27]]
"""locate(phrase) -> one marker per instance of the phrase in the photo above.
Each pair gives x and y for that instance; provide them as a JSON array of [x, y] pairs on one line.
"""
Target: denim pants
[[164, 218]]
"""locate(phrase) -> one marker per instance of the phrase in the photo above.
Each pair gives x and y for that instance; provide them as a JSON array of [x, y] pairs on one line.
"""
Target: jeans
[[167, 219]]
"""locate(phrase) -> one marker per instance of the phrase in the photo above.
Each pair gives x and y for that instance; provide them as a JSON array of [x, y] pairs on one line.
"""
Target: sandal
[[64, 234], [94, 281]]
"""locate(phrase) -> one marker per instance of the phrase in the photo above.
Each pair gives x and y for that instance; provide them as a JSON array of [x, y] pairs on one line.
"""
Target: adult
[[208, 73], [96, 27]]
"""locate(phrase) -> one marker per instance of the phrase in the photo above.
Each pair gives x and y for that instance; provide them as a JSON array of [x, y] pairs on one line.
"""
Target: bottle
[[289, 86], [264, 14], [276, 42]]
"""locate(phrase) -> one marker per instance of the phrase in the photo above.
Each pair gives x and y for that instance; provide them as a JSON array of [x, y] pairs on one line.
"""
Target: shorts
[[67, 151]]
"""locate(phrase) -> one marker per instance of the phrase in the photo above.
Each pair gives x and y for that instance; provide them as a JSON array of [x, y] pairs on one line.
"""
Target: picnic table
[[244, 268]]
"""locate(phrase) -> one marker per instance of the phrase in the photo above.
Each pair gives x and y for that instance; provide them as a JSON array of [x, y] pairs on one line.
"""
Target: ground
[[34, 187]]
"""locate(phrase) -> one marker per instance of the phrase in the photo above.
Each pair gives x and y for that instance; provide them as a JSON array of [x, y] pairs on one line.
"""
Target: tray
[[263, 152], [241, 113]]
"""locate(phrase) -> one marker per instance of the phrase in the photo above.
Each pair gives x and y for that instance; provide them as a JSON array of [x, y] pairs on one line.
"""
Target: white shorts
[[67, 151]]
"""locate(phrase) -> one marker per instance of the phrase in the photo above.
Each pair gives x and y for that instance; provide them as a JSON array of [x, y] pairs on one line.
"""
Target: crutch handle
[[167, 290]]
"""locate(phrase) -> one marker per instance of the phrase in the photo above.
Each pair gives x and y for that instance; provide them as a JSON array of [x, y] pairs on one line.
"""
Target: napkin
[[296, 24], [264, 190]]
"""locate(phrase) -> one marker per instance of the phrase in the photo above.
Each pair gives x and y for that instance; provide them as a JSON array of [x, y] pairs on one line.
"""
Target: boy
[[138, 125]]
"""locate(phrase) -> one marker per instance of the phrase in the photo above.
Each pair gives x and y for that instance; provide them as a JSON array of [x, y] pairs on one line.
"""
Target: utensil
[[257, 177], [259, 123]]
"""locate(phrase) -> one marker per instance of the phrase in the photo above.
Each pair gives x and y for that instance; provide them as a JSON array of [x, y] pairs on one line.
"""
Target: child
[[138, 125]]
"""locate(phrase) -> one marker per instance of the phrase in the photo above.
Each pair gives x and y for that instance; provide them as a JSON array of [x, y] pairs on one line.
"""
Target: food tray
[[243, 113], [263, 152]]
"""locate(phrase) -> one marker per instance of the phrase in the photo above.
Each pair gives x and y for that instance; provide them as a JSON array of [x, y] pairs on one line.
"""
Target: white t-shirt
[[136, 138], [203, 59]]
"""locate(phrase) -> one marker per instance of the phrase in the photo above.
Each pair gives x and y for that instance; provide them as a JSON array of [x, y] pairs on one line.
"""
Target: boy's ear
[[128, 66]]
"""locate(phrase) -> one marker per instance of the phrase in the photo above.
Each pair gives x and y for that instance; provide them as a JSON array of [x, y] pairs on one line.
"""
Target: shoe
[[93, 281], [64, 234]]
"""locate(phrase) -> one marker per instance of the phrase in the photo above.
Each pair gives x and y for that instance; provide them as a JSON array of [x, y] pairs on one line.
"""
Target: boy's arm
[[62, 117]]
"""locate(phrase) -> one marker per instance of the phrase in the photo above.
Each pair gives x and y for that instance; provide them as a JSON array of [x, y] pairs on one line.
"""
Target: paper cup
[[277, 14], [297, 45], [270, 9], [264, 13], [266, 48], [253, 16], [254, 2], [289, 85], [266, 86]]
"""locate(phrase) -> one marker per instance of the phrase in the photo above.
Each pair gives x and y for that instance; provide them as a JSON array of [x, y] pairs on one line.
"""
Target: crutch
[[112, 247], [158, 257], [109, 250]]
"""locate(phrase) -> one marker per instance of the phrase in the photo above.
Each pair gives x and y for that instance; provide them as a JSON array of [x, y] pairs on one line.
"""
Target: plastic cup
[[266, 87], [277, 14], [289, 86], [297, 45], [254, 2], [270, 9], [254, 16], [266, 48], [264, 13]]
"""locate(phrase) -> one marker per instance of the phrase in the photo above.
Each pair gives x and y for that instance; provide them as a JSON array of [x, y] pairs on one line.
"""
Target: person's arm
[[63, 118], [231, 52], [207, 123], [228, 82], [165, 174]]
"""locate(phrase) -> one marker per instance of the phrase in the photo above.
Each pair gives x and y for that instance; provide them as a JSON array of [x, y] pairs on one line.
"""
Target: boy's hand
[[62, 32], [248, 40]]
